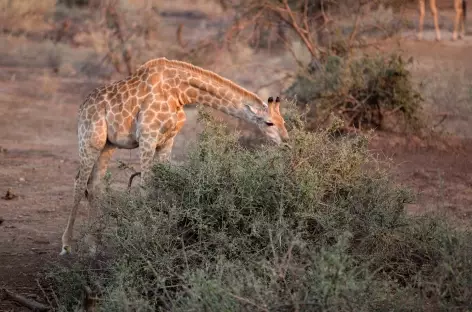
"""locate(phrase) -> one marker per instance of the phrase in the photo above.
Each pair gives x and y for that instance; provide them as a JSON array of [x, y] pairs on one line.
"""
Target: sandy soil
[[38, 161]]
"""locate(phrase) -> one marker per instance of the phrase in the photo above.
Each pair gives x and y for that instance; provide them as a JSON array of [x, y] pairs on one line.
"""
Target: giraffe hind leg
[[94, 191], [94, 184], [80, 185], [92, 142]]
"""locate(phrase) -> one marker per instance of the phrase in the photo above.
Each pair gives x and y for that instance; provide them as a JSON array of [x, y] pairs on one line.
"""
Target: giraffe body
[[145, 111], [459, 20]]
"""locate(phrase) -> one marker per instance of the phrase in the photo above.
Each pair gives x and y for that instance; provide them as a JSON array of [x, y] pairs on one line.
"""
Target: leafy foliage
[[273, 229]]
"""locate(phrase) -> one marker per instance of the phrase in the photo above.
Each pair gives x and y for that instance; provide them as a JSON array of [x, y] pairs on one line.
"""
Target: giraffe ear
[[270, 103], [251, 109], [261, 118]]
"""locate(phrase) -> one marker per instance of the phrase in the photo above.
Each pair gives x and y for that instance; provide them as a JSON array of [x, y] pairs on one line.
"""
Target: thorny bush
[[318, 227]]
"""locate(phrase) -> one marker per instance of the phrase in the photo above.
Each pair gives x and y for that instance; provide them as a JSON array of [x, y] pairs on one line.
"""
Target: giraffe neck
[[190, 84], [219, 97]]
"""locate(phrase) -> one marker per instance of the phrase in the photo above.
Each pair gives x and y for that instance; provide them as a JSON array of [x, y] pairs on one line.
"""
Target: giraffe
[[274, 109], [460, 7], [145, 111]]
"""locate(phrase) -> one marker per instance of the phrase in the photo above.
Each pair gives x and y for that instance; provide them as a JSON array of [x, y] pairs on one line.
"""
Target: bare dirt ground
[[38, 157]]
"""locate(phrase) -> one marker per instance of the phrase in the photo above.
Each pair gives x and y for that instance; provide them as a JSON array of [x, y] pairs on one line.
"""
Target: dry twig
[[130, 182], [9, 195]]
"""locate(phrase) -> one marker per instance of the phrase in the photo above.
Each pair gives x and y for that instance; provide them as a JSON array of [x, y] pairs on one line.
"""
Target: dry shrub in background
[[338, 78], [362, 91], [128, 33], [24, 15], [264, 22], [323, 26], [271, 229]]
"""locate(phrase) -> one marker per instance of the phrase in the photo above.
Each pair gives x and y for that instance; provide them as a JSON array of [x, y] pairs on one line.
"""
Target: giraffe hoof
[[65, 250]]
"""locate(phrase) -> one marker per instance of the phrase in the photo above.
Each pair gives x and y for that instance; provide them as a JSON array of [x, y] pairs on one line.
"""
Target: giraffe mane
[[212, 75]]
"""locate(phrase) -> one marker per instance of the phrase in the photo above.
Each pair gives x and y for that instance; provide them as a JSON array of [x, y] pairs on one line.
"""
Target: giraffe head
[[271, 122]]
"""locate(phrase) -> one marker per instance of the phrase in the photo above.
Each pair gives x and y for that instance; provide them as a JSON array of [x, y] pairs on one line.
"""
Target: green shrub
[[360, 91], [318, 227]]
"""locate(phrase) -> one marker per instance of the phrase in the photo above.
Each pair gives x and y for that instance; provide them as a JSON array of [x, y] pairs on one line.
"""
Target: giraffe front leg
[[462, 28], [147, 150], [421, 19], [434, 11], [164, 152], [459, 28]]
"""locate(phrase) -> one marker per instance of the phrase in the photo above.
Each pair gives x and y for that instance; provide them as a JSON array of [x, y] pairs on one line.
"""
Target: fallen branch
[[29, 303], [44, 292]]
